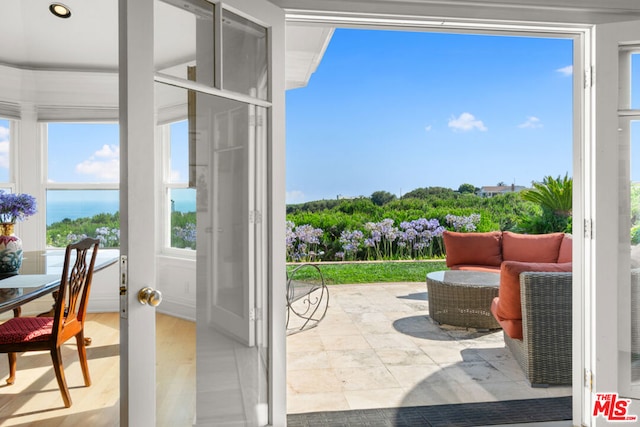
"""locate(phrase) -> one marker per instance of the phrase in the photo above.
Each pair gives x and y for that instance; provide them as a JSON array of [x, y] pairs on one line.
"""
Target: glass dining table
[[40, 274]]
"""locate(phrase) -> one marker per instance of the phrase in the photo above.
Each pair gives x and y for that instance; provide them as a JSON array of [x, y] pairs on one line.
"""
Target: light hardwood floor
[[35, 400]]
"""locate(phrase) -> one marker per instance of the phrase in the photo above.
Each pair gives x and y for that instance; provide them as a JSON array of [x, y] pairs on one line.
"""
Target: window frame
[[163, 135], [43, 127]]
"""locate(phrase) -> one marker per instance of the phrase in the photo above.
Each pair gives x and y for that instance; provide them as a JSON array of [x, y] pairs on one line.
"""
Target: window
[[181, 200], [83, 170]]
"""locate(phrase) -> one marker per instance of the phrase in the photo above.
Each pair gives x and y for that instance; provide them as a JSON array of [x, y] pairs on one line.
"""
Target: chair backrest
[[75, 285]]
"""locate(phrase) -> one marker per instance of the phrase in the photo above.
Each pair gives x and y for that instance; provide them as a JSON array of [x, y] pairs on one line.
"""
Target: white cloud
[[106, 170], [294, 196], [174, 176], [466, 122], [531, 123], [4, 153], [4, 134], [108, 151], [427, 128], [566, 71], [104, 164]]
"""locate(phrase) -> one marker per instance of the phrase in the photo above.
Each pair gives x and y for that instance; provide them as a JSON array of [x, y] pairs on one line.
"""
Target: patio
[[377, 348]]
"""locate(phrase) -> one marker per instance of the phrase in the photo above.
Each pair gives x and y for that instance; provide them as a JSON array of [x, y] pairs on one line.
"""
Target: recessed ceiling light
[[60, 10]]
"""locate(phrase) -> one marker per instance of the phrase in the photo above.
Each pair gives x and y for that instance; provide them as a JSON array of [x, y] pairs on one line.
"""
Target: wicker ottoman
[[463, 298]]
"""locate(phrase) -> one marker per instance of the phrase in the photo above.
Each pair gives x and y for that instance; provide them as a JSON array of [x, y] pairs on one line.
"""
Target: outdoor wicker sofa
[[534, 304], [545, 351]]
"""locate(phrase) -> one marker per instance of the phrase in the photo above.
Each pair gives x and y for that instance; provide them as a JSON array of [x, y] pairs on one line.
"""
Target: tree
[[423, 193], [552, 194], [381, 198], [466, 188]]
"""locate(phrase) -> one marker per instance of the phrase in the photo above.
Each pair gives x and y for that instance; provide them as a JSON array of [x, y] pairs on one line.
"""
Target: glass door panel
[[227, 144], [244, 48], [629, 226]]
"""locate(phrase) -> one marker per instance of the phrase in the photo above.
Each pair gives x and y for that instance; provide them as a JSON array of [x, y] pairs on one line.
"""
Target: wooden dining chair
[[21, 334]]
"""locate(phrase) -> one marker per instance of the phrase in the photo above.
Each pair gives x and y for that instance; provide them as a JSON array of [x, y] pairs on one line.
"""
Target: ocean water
[[59, 210]]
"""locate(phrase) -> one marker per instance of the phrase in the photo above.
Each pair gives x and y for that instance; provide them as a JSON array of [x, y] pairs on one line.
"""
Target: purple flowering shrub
[[412, 240], [420, 238], [467, 223], [303, 242], [351, 242], [382, 237]]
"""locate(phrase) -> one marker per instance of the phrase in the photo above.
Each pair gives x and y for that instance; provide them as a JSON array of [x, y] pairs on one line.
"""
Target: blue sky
[[396, 111]]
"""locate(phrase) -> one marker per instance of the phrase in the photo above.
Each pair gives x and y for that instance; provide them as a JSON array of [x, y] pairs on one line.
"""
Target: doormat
[[458, 415]]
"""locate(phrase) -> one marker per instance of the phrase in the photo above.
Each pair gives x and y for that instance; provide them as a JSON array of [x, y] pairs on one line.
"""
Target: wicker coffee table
[[463, 298]]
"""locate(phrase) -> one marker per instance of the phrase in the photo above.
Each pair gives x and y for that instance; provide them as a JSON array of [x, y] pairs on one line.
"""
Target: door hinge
[[588, 379], [255, 217], [588, 229], [589, 80], [255, 314]]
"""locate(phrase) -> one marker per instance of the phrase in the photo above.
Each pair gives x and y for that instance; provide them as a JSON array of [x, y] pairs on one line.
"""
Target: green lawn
[[370, 272]]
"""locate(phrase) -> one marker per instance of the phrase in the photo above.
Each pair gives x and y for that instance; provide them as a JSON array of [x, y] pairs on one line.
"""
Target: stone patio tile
[[373, 378], [403, 357], [314, 381], [390, 340], [367, 399], [307, 360], [476, 371], [414, 375], [315, 402], [339, 359], [344, 342]]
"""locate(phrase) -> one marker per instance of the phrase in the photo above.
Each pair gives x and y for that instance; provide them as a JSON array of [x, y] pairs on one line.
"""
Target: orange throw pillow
[[472, 248], [531, 247]]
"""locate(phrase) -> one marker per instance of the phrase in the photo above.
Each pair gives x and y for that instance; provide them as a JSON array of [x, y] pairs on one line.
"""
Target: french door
[[230, 87], [614, 352]]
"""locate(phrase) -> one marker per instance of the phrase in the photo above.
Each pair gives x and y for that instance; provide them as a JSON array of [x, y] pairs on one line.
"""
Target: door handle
[[150, 296]]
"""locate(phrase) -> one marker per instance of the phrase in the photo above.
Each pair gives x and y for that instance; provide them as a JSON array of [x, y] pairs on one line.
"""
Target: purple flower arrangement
[[16, 207]]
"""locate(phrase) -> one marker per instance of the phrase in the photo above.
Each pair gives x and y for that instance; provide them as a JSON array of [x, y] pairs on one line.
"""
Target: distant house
[[490, 191]]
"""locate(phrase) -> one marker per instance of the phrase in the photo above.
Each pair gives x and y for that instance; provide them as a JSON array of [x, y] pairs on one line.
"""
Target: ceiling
[[33, 39]]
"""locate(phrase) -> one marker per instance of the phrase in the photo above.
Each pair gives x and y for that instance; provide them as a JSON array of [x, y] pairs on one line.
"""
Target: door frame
[[584, 153]]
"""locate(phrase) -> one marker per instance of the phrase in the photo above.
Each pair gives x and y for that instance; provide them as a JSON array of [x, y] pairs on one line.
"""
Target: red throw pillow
[[566, 249], [531, 247], [473, 248]]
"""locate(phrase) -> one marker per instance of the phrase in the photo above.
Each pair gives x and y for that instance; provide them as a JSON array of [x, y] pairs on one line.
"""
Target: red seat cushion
[[26, 329], [511, 327], [471, 267], [508, 305]]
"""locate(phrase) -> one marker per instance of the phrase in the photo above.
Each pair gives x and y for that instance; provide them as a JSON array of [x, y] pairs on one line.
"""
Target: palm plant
[[552, 194]]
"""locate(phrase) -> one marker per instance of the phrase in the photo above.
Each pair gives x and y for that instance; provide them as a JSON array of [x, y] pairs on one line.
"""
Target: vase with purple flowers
[[13, 208]]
